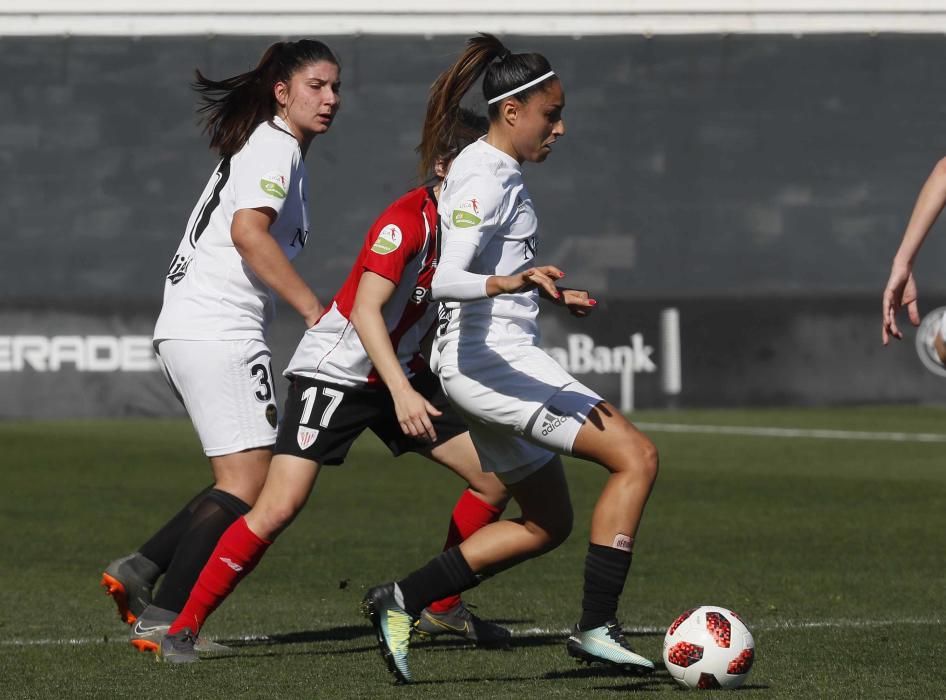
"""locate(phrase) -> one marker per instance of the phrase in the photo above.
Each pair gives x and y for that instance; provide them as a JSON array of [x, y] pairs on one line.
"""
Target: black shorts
[[321, 420]]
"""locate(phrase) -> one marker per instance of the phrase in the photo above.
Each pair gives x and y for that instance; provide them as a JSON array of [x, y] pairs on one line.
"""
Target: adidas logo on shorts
[[553, 418]]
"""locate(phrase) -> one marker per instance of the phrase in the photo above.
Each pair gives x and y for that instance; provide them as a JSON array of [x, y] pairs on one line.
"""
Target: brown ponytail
[[443, 105], [502, 71], [231, 108]]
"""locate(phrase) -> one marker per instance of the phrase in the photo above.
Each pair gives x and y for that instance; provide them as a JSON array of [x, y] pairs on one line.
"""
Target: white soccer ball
[[709, 647]]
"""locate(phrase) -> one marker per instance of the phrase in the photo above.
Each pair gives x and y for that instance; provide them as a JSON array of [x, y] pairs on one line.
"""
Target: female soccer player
[[248, 224], [360, 368], [523, 409], [901, 286]]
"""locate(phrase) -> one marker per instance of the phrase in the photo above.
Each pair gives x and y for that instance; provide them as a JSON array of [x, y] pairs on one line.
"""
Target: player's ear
[[281, 93], [510, 111]]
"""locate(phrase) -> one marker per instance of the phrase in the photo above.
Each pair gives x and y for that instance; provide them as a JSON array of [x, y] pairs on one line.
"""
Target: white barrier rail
[[531, 17]]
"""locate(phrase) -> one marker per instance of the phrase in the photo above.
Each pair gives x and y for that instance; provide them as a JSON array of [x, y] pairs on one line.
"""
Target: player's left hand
[[578, 302]]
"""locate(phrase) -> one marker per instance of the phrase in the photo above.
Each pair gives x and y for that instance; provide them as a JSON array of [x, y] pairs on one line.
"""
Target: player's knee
[[491, 490], [276, 517], [562, 529], [647, 460], [549, 534]]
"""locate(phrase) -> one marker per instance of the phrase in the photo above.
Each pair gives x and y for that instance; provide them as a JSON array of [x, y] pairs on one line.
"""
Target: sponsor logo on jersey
[[554, 417], [467, 214], [274, 184], [388, 240], [305, 437]]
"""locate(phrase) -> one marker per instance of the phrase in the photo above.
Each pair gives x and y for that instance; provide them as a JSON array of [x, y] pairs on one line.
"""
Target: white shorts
[[522, 408], [227, 388]]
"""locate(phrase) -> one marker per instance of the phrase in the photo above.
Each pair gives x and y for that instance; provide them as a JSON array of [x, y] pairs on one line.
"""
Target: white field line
[[531, 631], [818, 434]]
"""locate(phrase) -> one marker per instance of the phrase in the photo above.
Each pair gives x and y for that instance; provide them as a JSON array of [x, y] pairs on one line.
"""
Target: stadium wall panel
[[701, 171]]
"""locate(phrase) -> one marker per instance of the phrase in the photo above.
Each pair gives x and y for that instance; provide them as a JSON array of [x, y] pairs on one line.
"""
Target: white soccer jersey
[[210, 293], [484, 202]]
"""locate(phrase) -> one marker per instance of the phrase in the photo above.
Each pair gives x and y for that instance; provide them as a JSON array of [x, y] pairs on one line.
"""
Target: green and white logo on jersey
[[388, 240], [464, 219], [274, 184], [466, 214]]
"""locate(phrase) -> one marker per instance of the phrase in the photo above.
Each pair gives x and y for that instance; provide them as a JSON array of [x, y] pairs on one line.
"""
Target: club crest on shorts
[[271, 414], [305, 437]]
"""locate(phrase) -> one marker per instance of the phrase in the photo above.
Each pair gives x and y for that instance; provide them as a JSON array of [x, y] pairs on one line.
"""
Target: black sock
[[212, 517], [160, 548], [446, 574], [605, 572]]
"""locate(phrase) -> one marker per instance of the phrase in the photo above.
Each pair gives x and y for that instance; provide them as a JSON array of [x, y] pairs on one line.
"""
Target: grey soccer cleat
[[606, 644], [392, 624], [150, 627], [178, 648], [461, 622], [129, 582]]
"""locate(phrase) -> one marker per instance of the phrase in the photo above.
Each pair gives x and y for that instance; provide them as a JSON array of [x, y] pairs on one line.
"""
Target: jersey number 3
[[264, 390]]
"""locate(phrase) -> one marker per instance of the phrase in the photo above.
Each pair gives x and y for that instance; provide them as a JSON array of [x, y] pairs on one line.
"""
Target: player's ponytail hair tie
[[519, 89]]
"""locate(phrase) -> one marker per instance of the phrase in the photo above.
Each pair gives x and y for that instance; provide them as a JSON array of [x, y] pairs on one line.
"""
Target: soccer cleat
[[178, 648], [151, 626], [124, 581], [392, 623], [606, 644], [461, 622]]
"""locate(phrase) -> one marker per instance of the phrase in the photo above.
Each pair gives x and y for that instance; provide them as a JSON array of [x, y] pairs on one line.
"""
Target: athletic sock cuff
[[228, 501], [470, 500], [247, 535]]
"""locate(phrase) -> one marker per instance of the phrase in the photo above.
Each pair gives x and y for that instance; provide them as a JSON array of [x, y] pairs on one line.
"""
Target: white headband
[[522, 87]]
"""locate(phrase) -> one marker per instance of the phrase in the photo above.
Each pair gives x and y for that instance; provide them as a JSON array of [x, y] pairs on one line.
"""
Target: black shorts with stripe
[[321, 420]]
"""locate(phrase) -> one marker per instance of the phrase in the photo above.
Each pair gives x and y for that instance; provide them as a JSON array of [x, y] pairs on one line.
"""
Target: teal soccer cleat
[[392, 624], [606, 644]]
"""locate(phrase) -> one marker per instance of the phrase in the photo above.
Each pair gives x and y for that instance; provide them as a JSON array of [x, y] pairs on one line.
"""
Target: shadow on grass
[[341, 633]]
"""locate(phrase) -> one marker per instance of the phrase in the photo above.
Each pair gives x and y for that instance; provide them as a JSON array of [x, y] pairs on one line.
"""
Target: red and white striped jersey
[[402, 247]]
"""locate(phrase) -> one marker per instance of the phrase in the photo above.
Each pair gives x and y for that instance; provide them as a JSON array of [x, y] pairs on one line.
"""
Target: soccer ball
[[709, 647]]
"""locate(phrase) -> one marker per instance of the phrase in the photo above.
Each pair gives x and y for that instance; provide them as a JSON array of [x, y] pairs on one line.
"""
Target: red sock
[[469, 515], [237, 554]]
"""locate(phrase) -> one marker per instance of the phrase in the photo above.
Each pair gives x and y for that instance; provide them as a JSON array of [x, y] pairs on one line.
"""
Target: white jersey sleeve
[[474, 206], [264, 178]]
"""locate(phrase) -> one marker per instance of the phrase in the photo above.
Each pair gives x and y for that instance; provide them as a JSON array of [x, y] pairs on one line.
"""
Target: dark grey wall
[[716, 169], [727, 165]]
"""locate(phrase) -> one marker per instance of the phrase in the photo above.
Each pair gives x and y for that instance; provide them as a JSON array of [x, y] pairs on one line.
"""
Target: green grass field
[[831, 550]]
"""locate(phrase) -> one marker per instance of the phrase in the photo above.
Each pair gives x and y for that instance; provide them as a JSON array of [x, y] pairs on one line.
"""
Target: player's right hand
[[900, 291], [544, 277], [413, 414]]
